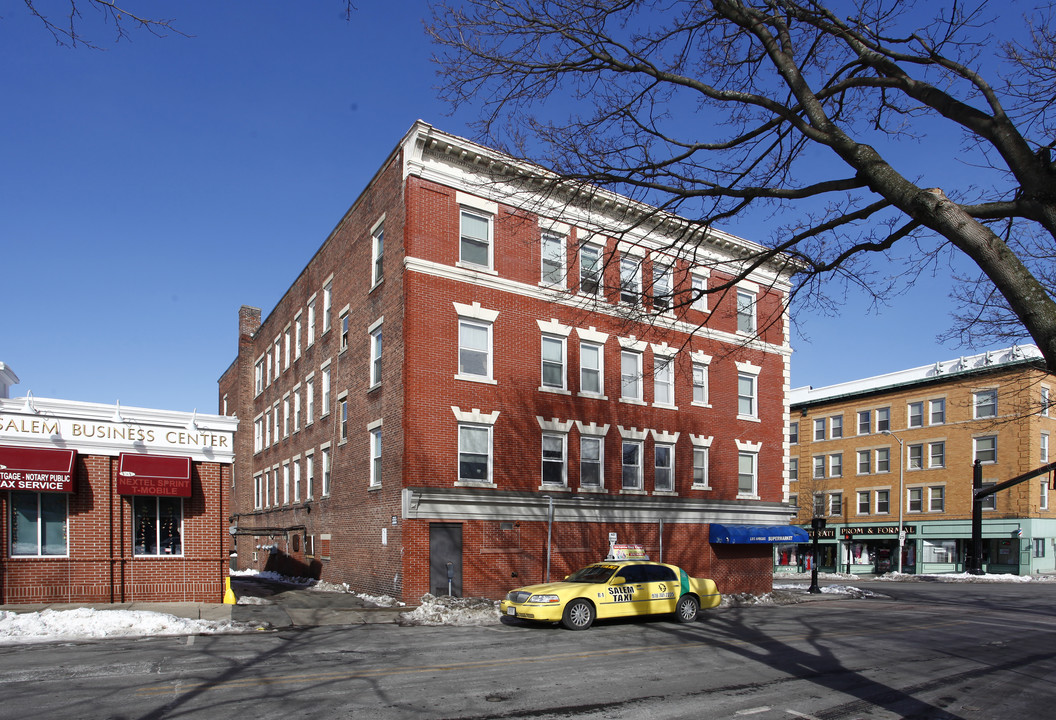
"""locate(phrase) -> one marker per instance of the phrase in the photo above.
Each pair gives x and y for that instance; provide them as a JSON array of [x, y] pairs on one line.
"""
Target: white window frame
[[326, 390], [635, 468], [343, 324], [310, 322], [630, 280], [976, 451], [663, 378], [883, 419], [38, 524], [309, 475], [747, 321], [328, 302], [488, 456], [376, 447], [586, 278], [296, 480], [631, 376], [297, 335], [258, 491], [915, 414], [936, 455], [937, 408], [748, 379], [475, 317], [663, 287], [327, 469], [309, 400], [488, 241], [296, 408], [699, 284], [560, 362], [984, 401], [377, 252], [553, 259], [747, 468], [376, 350], [865, 462], [659, 469], [585, 370], [701, 461], [599, 464], [561, 460]]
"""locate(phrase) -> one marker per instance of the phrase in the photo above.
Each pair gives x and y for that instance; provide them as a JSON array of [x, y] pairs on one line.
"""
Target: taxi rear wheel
[[687, 609], [578, 615]]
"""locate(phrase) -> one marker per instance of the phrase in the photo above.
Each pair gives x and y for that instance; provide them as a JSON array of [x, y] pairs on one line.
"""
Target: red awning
[[162, 475], [36, 469]]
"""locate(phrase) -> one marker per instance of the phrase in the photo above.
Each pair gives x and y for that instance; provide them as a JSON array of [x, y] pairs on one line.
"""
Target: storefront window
[[38, 524], [940, 551], [158, 523]]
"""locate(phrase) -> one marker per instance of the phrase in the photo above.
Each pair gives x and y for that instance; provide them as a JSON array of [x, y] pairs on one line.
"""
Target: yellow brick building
[[857, 450]]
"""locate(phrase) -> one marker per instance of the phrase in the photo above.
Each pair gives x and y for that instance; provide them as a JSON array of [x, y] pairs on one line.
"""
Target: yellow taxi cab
[[610, 589]]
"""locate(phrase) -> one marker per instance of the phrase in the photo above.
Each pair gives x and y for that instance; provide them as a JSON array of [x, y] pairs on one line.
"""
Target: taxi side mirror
[[618, 580]]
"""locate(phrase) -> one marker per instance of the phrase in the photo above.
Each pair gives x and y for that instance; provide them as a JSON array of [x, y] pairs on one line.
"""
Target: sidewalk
[[265, 602]]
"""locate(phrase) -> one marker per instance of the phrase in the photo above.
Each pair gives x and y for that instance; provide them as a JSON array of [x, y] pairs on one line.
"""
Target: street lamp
[[901, 494]]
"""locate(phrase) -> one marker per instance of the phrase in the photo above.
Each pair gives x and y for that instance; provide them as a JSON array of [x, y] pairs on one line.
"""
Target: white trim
[[554, 327], [592, 335], [476, 203], [554, 425], [633, 343], [474, 416], [633, 433], [592, 429], [475, 312]]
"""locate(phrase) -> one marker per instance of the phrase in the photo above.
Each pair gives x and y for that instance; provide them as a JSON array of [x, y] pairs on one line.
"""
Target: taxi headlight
[[544, 599]]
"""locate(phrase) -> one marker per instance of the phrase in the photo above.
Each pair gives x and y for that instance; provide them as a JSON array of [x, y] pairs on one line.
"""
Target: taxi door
[[632, 596], [663, 586]]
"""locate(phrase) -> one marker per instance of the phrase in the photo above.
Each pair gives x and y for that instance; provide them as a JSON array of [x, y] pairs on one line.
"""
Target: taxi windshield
[[592, 574]]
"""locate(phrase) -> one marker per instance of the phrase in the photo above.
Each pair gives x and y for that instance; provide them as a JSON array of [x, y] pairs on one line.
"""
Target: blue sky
[[149, 190]]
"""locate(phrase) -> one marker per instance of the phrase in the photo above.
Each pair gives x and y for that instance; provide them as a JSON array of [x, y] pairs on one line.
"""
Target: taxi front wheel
[[687, 608], [578, 615]]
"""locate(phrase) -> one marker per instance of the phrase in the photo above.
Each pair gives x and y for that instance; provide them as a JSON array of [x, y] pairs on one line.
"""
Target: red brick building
[[473, 378], [103, 503]]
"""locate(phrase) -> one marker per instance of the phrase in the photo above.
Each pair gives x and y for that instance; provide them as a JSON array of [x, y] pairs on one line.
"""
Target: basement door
[[445, 558]]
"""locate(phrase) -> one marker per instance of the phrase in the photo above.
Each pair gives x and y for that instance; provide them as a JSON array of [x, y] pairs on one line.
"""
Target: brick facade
[[97, 562], [380, 538], [942, 416]]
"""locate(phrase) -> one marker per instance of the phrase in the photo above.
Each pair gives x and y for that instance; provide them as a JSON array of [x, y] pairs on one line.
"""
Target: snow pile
[[86, 623], [310, 584], [446, 610]]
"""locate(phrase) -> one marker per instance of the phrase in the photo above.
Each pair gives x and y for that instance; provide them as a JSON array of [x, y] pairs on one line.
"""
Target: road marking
[[754, 711], [801, 715], [720, 643]]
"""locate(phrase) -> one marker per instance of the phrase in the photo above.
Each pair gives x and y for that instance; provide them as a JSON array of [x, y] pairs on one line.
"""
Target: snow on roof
[[963, 364]]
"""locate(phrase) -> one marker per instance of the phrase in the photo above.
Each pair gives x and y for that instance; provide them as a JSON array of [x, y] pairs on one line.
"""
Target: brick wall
[[101, 566]]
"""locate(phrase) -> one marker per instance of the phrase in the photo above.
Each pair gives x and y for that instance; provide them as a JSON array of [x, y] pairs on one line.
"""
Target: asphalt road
[[926, 651]]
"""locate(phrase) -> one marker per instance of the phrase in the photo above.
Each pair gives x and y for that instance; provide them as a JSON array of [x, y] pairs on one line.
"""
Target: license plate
[[511, 611]]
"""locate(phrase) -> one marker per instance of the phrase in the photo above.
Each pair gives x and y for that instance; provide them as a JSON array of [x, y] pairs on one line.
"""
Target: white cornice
[[103, 429], [466, 166]]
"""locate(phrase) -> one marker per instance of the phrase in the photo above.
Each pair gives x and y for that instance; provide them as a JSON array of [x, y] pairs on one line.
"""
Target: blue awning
[[742, 534]]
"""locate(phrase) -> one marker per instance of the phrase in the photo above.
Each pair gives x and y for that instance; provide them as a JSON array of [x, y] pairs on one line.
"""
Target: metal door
[[445, 558]]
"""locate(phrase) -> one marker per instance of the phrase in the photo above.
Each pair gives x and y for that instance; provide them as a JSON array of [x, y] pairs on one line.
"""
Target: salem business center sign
[[114, 437]]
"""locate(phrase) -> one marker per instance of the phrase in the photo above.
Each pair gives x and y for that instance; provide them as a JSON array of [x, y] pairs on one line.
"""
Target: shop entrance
[[445, 559]]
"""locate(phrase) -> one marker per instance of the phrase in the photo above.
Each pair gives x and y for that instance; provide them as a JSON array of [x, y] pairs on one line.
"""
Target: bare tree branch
[[711, 110]]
